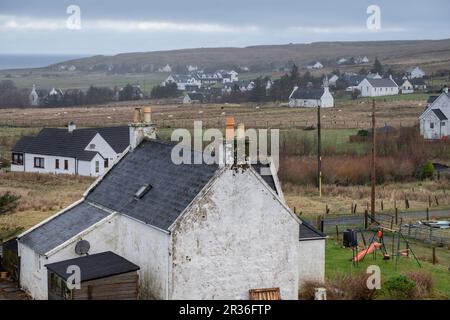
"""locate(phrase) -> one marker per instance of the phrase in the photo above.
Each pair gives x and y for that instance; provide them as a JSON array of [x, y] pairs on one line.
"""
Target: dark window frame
[[56, 163], [39, 162], [19, 160], [66, 164]]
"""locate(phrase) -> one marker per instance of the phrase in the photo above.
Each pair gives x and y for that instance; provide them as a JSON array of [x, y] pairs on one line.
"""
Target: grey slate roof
[[173, 187], [432, 99], [96, 266], [441, 116], [307, 94], [308, 232], [60, 142], [62, 228], [383, 83]]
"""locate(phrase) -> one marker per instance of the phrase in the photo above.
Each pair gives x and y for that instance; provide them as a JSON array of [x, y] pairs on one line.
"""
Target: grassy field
[[338, 261], [346, 114], [340, 198], [41, 196], [78, 80]]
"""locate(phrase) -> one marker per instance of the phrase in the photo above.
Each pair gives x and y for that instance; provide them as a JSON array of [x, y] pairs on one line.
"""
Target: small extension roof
[[96, 266]]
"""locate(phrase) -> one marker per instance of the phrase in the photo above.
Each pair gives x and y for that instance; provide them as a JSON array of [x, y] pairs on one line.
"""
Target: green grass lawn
[[338, 261]]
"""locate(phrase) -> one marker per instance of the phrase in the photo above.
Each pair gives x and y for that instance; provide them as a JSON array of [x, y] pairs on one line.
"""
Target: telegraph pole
[[319, 152], [373, 162]]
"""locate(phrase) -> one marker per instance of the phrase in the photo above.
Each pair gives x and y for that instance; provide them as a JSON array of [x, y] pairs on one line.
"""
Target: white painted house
[[315, 65], [85, 152], [415, 73], [311, 98], [405, 86], [195, 231], [434, 121], [378, 87]]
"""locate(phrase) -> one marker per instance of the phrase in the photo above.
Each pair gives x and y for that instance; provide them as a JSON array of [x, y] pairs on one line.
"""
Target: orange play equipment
[[374, 246]]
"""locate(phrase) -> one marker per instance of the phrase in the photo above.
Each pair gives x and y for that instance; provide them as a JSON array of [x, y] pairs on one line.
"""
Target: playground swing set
[[350, 240]]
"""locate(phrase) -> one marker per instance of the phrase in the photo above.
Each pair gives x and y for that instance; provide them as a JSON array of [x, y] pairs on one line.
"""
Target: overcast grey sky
[[109, 27]]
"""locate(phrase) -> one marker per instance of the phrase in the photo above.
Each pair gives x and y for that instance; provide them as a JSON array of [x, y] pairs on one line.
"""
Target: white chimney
[[445, 90], [139, 130], [71, 126], [229, 141]]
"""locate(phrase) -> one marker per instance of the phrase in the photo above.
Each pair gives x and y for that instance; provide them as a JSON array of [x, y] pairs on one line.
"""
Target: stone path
[[9, 291]]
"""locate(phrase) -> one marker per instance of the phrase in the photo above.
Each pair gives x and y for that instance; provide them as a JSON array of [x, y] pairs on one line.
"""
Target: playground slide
[[372, 248]]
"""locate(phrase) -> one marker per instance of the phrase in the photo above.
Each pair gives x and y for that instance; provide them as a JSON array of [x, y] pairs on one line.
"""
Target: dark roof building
[[308, 94], [95, 266], [61, 142], [382, 83]]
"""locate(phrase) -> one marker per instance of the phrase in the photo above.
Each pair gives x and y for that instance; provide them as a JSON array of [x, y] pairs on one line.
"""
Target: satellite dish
[[82, 247]]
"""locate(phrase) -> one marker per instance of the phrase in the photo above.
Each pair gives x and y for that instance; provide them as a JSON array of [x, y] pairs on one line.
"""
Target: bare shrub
[[424, 283]]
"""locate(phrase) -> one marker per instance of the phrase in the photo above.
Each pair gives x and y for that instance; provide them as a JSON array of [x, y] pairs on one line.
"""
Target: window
[[431, 125], [56, 163], [17, 158], [39, 162], [92, 146], [106, 163], [443, 124], [97, 166], [66, 164]]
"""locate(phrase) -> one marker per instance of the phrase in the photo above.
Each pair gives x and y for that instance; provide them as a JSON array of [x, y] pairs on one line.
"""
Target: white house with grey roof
[[311, 98], [378, 87], [195, 231], [85, 152], [434, 121]]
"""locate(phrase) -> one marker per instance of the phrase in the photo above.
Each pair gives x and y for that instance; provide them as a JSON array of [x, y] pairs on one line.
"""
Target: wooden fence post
[[337, 233], [433, 255], [428, 214], [396, 216]]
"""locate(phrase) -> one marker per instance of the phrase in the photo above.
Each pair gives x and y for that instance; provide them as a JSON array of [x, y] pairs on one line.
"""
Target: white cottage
[[311, 98], [415, 73], [195, 231], [378, 87], [434, 122], [85, 152]]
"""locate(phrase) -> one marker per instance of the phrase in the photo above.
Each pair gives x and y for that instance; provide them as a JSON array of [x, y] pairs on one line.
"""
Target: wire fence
[[100, 121], [336, 224]]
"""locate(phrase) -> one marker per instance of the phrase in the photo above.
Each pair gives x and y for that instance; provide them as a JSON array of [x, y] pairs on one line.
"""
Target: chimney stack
[[137, 115], [71, 126], [141, 128], [229, 141], [241, 144], [147, 115], [445, 90]]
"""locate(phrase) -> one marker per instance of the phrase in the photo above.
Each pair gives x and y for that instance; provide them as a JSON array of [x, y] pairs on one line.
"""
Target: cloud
[[8, 23]]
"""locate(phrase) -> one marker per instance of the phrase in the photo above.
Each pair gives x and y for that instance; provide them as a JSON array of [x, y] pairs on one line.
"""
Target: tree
[[428, 170], [11, 96], [258, 93], [170, 90], [377, 67], [96, 95], [8, 202]]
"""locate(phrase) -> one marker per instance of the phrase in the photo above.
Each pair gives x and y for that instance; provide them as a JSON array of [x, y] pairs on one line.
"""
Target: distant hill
[[430, 54]]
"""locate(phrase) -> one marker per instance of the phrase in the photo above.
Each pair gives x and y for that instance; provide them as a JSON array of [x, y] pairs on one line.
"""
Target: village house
[[314, 65], [419, 84], [194, 97], [183, 81], [85, 152], [415, 72], [434, 121], [333, 80], [378, 87], [311, 98], [191, 231], [405, 86]]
